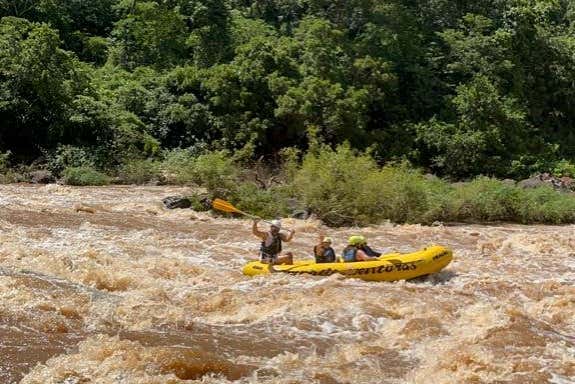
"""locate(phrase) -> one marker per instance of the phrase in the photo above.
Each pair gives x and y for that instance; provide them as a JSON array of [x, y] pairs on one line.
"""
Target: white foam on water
[[502, 310], [560, 379]]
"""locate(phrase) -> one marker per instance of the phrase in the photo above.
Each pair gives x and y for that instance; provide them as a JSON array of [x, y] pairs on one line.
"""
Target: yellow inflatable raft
[[389, 267]]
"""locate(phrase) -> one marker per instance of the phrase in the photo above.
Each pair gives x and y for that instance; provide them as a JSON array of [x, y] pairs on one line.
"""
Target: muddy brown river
[[105, 285]]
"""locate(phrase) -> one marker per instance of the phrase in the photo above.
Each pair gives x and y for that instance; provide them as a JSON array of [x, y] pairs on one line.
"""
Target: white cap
[[276, 223]]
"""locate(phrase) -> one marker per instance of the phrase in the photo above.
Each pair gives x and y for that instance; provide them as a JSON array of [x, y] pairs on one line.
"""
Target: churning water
[[104, 285]]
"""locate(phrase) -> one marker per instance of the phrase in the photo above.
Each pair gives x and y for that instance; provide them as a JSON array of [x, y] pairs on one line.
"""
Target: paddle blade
[[224, 206]]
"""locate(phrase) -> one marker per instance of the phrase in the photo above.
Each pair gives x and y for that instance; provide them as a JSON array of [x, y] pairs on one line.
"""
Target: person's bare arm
[[257, 232], [362, 256], [288, 238]]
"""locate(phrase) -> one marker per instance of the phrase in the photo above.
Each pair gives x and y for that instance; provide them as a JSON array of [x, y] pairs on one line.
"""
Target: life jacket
[[327, 255], [349, 254], [274, 248]]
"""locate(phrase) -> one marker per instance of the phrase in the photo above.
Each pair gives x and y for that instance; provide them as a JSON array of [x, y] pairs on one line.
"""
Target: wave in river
[[105, 285]]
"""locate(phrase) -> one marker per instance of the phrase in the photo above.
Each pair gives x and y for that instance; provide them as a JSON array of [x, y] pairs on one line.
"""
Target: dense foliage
[[458, 87], [343, 187], [400, 194]]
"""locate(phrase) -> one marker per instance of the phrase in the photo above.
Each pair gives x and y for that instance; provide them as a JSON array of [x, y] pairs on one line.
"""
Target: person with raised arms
[[271, 246]]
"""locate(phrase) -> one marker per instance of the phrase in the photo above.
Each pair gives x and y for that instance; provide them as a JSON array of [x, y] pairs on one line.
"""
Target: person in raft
[[358, 250], [367, 249], [323, 252], [271, 247]]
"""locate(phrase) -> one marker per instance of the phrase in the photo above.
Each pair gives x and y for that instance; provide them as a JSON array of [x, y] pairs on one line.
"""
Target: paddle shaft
[[257, 217], [252, 216], [225, 206]]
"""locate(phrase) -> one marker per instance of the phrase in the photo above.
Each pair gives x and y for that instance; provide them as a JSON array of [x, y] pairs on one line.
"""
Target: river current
[[105, 285]]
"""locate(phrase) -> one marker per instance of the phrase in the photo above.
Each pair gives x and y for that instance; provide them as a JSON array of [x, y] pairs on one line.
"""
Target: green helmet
[[356, 240]]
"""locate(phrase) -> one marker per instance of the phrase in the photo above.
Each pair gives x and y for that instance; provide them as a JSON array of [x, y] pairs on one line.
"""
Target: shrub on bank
[[484, 199], [177, 166], [216, 170], [332, 183], [564, 168], [266, 203], [139, 171], [220, 175], [13, 176], [489, 200], [343, 187], [405, 195], [68, 156], [545, 205], [84, 176]]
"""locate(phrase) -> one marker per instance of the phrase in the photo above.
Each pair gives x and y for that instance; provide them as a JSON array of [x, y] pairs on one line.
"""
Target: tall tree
[[38, 82]]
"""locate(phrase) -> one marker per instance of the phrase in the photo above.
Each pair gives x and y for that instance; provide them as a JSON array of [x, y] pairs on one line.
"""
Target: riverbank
[[342, 187]]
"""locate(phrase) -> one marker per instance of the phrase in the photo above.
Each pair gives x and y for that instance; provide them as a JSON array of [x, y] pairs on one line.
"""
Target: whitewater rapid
[[105, 285]]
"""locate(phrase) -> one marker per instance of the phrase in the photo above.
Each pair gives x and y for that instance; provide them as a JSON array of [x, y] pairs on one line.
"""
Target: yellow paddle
[[224, 206]]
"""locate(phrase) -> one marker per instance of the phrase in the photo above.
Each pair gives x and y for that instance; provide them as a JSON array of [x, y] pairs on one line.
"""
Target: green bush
[[545, 205], [290, 164], [178, 166], [199, 201], [344, 187], [219, 174], [68, 156], [13, 176], [485, 199], [267, 203], [8, 175], [4, 161], [84, 176], [564, 168], [216, 171], [403, 194], [139, 171], [330, 183]]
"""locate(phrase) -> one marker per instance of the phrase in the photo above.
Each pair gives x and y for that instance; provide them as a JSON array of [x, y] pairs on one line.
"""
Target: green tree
[[322, 50], [339, 112], [153, 34], [38, 82], [77, 21], [490, 130], [210, 37]]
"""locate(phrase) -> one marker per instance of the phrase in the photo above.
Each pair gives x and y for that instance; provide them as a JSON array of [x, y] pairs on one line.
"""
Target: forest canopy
[[457, 87]]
